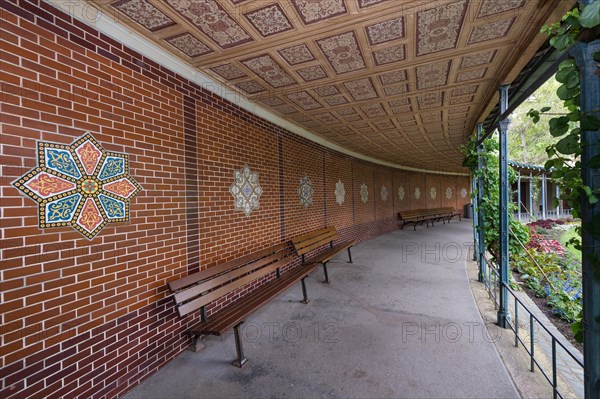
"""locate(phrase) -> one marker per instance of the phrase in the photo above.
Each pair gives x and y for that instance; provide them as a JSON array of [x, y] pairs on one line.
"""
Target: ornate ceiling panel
[[398, 80]]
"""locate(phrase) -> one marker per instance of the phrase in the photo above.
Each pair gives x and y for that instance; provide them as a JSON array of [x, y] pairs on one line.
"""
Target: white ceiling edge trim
[[102, 22]]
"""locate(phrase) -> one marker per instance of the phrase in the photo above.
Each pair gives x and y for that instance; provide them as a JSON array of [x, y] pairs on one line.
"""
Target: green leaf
[[559, 126], [561, 42], [569, 62], [597, 56], [564, 93], [568, 145], [545, 109], [590, 17]]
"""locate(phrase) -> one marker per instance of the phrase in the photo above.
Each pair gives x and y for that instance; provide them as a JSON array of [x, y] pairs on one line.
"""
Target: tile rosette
[[79, 185], [306, 191], [384, 193], [340, 192], [364, 193], [246, 190]]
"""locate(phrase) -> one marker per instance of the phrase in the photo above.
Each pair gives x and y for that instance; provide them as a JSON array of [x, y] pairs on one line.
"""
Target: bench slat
[[236, 312], [225, 277], [219, 292], [331, 252], [194, 278], [322, 240]]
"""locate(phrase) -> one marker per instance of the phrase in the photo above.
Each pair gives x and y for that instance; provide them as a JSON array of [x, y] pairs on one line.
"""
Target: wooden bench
[[426, 216], [307, 242], [196, 291]]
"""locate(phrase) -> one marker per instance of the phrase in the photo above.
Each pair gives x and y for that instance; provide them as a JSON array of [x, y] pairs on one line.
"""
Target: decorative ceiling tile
[[144, 13], [296, 54], [337, 100], [312, 11], [251, 86], [367, 3], [342, 52], [384, 125], [345, 111], [306, 191], [189, 45], [228, 71], [461, 100], [392, 77], [361, 89], [389, 55], [464, 90], [438, 28], [272, 101], [246, 190], [480, 58], [402, 110], [304, 100], [373, 110], [395, 90], [490, 7], [431, 117], [80, 185], [286, 109], [432, 75], [464, 76], [399, 102], [269, 20], [312, 73], [353, 118], [312, 124], [430, 100], [213, 20], [268, 70], [386, 31], [326, 118], [326, 90], [490, 31]]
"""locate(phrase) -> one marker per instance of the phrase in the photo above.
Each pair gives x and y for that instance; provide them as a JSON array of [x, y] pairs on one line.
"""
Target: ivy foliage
[[565, 155], [490, 205]]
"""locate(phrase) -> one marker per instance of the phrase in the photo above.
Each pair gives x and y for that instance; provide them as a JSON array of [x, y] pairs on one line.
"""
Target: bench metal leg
[[349, 256], [241, 359], [305, 300], [326, 275]]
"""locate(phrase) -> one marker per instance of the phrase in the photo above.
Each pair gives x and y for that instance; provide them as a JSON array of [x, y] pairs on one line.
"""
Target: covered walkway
[[400, 322]]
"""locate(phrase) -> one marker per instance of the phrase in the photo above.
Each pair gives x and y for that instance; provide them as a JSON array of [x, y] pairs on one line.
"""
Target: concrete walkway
[[400, 322]]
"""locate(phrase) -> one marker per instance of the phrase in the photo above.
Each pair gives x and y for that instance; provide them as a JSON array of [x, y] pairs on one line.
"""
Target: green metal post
[[475, 217], [584, 52], [480, 213], [503, 312]]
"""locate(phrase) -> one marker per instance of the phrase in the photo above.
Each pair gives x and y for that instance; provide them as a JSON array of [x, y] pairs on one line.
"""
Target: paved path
[[399, 322]]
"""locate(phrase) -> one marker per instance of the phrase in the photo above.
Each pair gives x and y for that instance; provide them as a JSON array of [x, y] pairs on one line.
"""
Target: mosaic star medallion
[[80, 185], [245, 190], [433, 193], [463, 193], [340, 192], [417, 193], [305, 191], [401, 193], [448, 193], [364, 193], [384, 193]]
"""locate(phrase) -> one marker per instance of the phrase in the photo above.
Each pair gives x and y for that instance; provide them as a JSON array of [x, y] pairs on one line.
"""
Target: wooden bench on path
[[198, 290], [318, 238], [426, 216]]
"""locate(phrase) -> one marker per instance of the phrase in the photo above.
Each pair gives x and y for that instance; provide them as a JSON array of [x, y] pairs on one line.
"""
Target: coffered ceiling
[[400, 81]]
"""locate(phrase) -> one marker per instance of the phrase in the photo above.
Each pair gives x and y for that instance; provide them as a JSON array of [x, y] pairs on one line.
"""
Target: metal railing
[[493, 288], [536, 215]]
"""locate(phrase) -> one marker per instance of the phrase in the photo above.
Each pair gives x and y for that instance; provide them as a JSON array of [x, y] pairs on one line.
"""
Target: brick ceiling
[[399, 81]]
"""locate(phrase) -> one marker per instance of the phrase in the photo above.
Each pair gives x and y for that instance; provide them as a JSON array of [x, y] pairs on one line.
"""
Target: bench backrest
[[199, 289], [309, 241]]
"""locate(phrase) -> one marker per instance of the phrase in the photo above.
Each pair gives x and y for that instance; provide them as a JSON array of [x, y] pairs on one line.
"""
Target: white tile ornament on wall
[[305, 191], [246, 190], [417, 193], [364, 193], [463, 193], [448, 193], [401, 193], [340, 192], [433, 193], [384, 193]]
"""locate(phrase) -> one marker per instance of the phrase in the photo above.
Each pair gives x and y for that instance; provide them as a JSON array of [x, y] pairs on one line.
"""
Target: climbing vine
[[565, 156], [491, 195]]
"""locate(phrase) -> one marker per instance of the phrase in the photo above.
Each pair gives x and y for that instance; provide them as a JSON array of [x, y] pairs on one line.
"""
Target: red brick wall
[[92, 318]]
